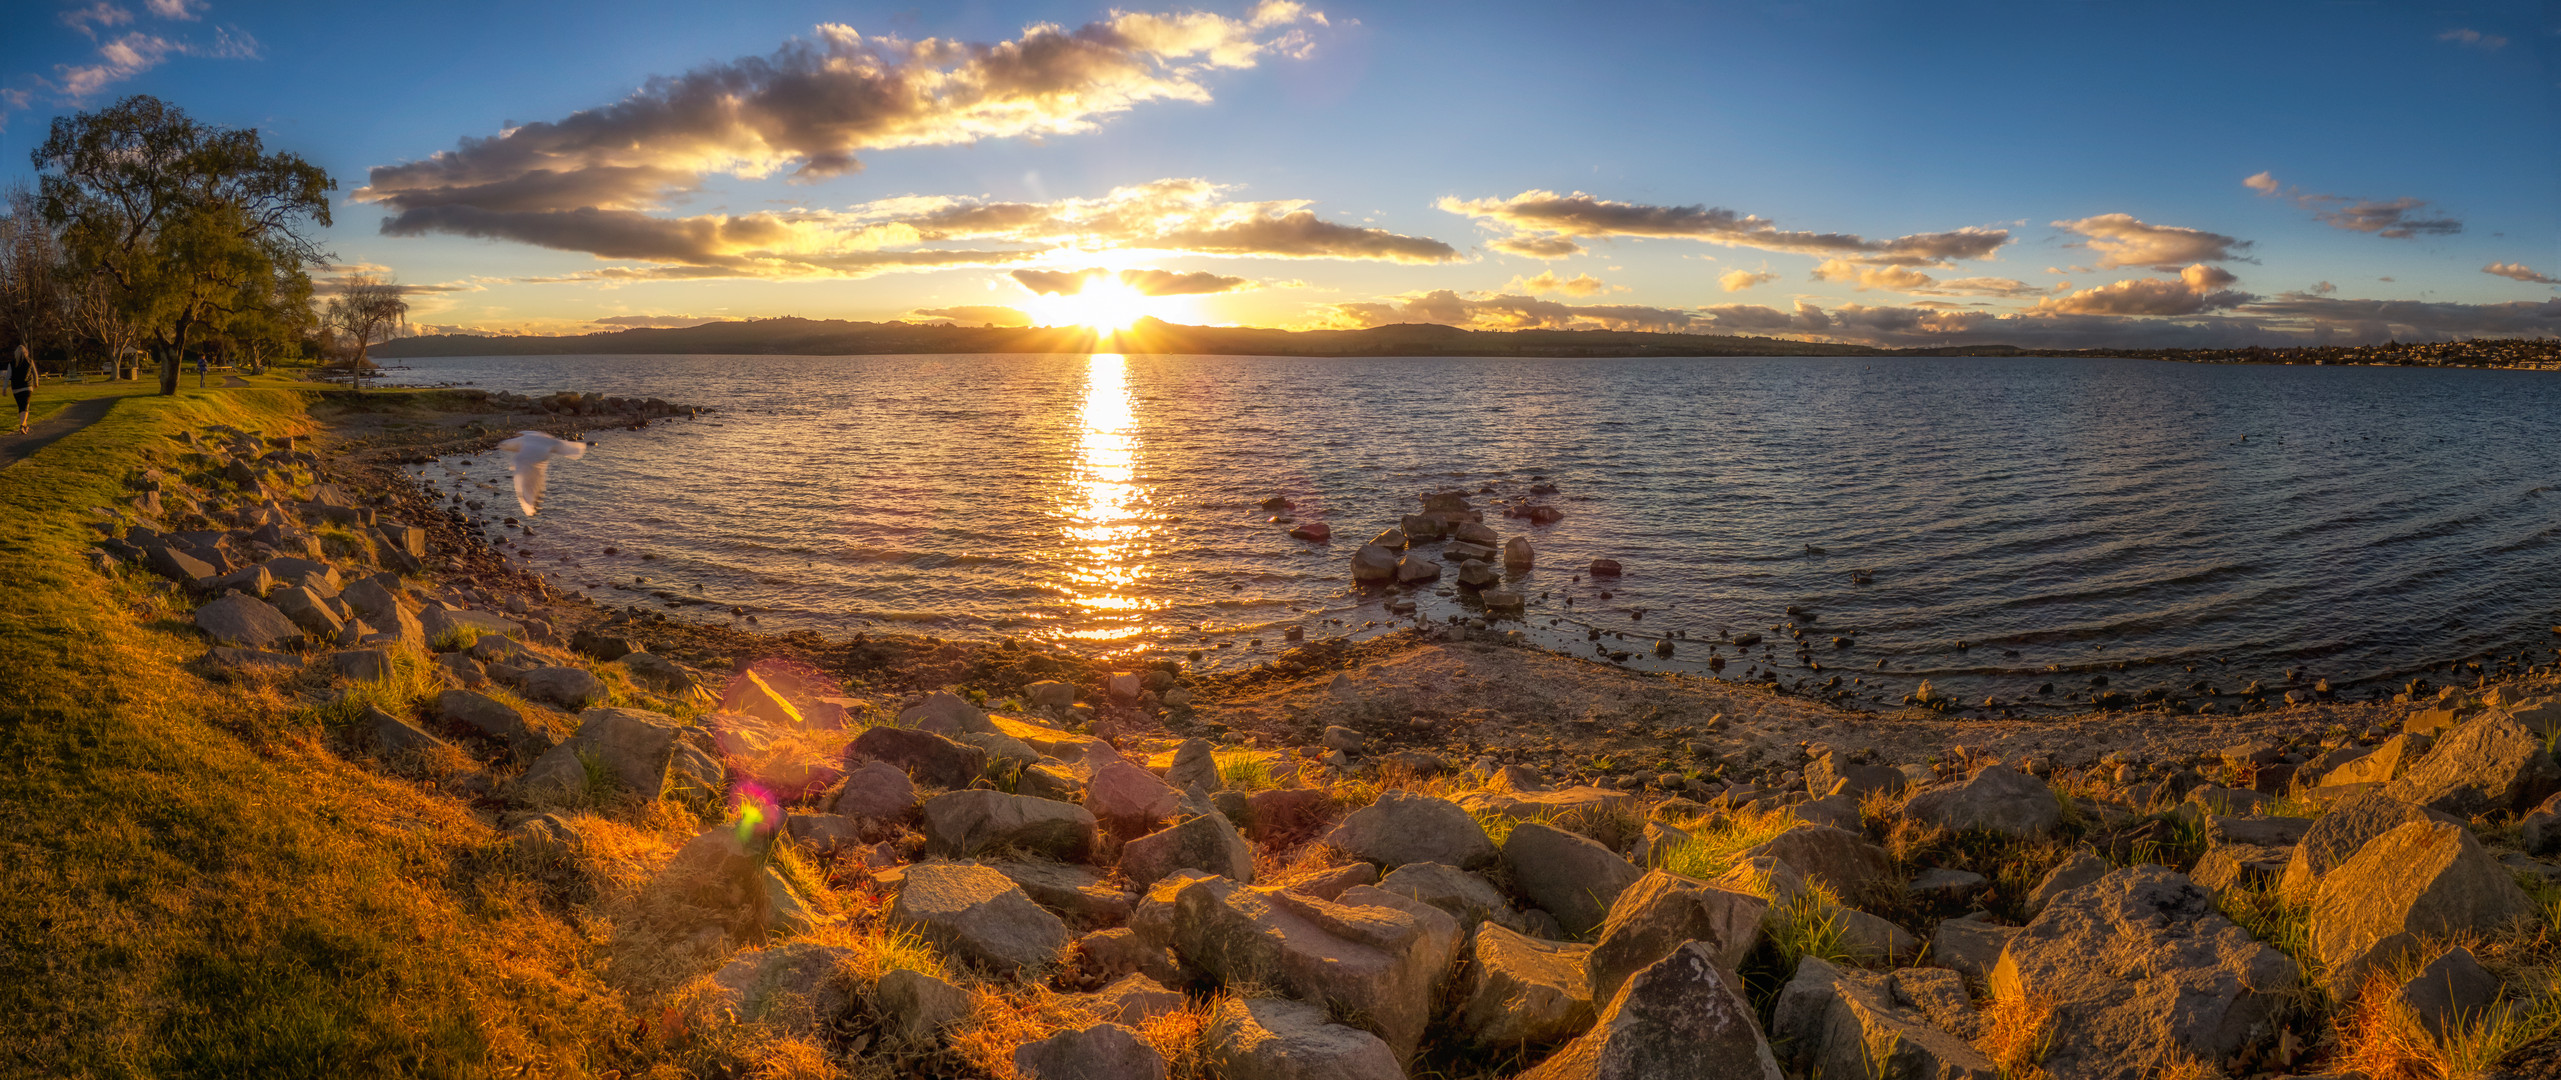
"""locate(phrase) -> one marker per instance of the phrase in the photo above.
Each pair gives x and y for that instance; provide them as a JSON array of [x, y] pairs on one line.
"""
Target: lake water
[[2154, 523]]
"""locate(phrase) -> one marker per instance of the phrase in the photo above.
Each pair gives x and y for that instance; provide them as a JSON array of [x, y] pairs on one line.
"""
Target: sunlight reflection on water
[[1108, 525]]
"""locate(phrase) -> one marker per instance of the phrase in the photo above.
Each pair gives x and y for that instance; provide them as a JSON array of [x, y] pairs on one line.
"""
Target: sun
[[1105, 305]]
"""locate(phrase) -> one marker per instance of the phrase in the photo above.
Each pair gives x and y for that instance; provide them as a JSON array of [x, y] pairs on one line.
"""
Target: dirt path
[[234, 380], [71, 418]]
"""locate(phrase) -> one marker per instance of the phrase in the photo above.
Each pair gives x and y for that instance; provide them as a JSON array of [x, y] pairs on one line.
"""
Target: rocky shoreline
[[1432, 852]]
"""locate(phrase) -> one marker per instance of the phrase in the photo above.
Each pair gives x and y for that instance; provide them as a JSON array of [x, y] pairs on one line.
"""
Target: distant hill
[[837, 337]]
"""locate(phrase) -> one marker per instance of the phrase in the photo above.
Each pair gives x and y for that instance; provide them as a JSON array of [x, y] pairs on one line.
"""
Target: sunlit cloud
[[1981, 286], [1143, 282], [1863, 278], [2122, 240], [1546, 215], [807, 111], [1481, 311], [1536, 247], [2395, 219], [2520, 272], [1548, 282], [1739, 280], [2474, 39]]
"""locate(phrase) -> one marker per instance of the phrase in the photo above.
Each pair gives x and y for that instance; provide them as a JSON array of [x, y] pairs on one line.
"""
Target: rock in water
[[1685, 1018], [2203, 989], [1373, 563], [1517, 556]]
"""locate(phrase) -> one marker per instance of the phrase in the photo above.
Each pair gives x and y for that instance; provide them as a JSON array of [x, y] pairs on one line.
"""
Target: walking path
[[42, 433]]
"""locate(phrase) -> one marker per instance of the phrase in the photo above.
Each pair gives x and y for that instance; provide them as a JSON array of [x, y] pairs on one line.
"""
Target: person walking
[[22, 382]]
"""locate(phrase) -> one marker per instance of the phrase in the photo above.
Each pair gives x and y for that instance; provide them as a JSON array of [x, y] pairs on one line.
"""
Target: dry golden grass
[[2016, 1035]]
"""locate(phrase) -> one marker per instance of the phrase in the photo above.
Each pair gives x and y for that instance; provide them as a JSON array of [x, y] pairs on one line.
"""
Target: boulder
[[2453, 992], [236, 658], [1135, 1000], [1517, 555], [1849, 1023], [603, 648], [1285, 813], [1970, 946], [1099, 1052], [2487, 763], [1467, 897], [1523, 990], [2205, 988], [1120, 951], [657, 673], [928, 758], [1329, 884], [447, 626], [975, 912], [1195, 767], [1603, 815], [876, 790], [944, 713], [1128, 800], [1831, 774], [1837, 811], [1049, 694], [1205, 842], [1076, 893], [361, 665], [1279, 1039], [1998, 799], [1940, 994], [2232, 866], [2540, 830], [179, 566], [1942, 884], [1573, 878], [629, 746], [1379, 965], [546, 839], [2429, 879], [975, 820], [2380, 765], [252, 579], [2339, 833], [243, 620], [2275, 832], [915, 1006], [1658, 913], [488, 716], [567, 687], [1837, 859], [1416, 569], [1373, 563], [1402, 827], [1684, 1018], [393, 735], [795, 986], [2081, 869]]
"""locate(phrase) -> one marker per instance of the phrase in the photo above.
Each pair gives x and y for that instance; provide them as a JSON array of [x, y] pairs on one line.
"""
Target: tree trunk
[[168, 371]]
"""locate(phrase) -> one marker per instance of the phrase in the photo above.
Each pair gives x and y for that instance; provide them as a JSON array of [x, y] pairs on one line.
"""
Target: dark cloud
[[2395, 219], [1548, 215], [653, 322]]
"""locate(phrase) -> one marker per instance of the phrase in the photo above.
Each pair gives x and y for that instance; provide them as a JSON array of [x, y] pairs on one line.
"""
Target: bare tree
[[369, 311], [96, 312], [31, 268]]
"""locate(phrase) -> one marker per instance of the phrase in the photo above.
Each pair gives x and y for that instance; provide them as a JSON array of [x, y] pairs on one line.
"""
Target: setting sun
[[1104, 304]]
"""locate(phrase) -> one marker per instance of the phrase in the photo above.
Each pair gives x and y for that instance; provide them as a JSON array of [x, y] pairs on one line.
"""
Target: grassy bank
[[191, 885]]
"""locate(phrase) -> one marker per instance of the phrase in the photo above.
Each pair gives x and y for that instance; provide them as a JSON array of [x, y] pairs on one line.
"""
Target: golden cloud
[[1538, 214]]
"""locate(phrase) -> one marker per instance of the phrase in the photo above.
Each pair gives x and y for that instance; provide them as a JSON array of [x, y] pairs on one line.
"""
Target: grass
[[1244, 770], [213, 891], [1718, 847]]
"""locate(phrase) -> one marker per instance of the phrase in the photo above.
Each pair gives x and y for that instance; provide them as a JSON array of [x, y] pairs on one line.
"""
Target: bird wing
[[529, 479], [570, 450]]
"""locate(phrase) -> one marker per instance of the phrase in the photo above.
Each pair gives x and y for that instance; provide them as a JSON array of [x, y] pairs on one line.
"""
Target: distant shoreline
[[833, 337]]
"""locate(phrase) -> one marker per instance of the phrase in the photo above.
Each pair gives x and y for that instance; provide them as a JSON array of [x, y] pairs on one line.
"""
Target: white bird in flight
[[532, 453]]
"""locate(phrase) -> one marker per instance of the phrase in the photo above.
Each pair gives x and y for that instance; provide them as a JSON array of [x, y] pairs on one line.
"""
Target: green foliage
[[408, 687], [1244, 770], [1717, 846]]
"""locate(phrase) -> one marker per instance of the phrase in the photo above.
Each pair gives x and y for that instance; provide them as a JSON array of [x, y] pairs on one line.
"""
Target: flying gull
[[533, 452]]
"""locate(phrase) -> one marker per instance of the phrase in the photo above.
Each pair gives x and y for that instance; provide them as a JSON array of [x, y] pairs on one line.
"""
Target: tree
[[179, 217], [368, 310], [32, 299]]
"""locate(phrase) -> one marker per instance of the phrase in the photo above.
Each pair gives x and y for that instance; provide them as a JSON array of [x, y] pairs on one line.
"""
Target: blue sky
[[2044, 174]]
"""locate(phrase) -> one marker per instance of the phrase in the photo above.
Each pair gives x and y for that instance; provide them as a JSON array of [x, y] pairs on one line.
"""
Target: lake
[[1989, 524]]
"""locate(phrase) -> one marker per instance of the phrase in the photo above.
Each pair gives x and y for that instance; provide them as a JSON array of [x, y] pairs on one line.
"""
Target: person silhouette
[[22, 382]]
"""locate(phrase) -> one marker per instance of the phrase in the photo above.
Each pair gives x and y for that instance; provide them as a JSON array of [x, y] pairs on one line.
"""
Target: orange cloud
[[1546, 214]]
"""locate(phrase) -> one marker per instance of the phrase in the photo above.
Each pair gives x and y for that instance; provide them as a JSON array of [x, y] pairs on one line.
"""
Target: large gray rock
[[2428, 879], [1134, 1000], [244, 620], [1195, 767], [2487, 763], [2339, 833], [970, 821], [944, 713], [1998, 799], [2203, 987], [1684, 1018], [1128, 800], [2453, 992], [915, 1006], [1837, 859], [1830, 774], [1469, 898], [447, 626], [488, 716], [929, 758], [1074, 892], [1520, 989], [1099, 1052], [305, 609], [1608, 817], [877, 790], [1838, 1023], [1278, 1039], [1205, 842], [977, 913], [1380, 965], [796, 986], [1659, 913], [2081, 869], [1573, 878], [631, 747], [179, 566], [393, 735], [566, 687], [1970, 946], [1402, 827]]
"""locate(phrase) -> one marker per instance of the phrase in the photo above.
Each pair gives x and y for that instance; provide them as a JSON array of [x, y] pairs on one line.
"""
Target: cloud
[[1758, 319], [654, 322], [1479, 311], [2198, 288], [89, 19], [1547, 216], [136, 52], [1536, 247], [1981, 286], [2202, 279], [182, 10], [2395, 219], [1169, 283], [1739, 280], [1548, 282], [2415, 320], [2121, 240], [977, 314], [1056, 282], [808, 110], [2520, 272], [2474, 38], [1863, 278], [2324, 288]]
